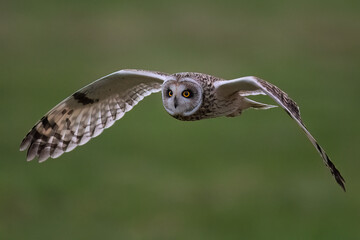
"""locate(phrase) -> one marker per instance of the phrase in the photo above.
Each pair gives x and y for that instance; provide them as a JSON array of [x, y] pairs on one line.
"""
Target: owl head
[[182, 96]]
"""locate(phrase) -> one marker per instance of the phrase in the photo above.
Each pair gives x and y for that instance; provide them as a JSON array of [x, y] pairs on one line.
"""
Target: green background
[[154, 177]]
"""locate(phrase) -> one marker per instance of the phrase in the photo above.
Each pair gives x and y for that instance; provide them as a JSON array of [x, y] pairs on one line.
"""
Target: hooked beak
[[175, 102]]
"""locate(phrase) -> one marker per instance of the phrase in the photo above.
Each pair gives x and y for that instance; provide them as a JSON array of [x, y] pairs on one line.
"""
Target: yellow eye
[[186, 93], [170, 93]]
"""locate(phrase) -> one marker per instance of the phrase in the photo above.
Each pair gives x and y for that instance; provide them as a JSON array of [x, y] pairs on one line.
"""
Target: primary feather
[[87, 112]]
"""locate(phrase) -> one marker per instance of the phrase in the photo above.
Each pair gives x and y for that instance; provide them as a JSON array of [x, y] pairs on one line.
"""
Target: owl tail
[[248, 103]]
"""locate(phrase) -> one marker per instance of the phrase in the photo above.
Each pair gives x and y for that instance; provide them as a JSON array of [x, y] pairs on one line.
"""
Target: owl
[[186, 96]]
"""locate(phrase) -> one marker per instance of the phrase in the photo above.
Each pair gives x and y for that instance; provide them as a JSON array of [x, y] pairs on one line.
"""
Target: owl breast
[[211, 105]]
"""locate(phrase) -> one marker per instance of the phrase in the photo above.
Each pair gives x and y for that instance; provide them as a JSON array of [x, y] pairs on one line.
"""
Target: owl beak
[[175, 102]]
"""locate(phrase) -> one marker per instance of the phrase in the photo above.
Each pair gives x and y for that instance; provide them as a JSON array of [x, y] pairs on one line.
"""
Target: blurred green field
[[153, 177]]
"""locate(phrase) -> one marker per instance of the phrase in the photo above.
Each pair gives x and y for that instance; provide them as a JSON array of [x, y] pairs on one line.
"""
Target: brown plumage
[[186, 96]]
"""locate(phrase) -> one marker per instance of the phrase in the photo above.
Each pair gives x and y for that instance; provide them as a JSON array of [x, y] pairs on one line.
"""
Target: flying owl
[[186, 96]]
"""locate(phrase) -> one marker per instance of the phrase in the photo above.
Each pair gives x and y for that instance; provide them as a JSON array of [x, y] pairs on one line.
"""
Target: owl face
[[181, 97]]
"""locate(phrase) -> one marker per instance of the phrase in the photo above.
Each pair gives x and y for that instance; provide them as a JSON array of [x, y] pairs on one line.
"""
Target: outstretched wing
[[226, 88], [86, 113]]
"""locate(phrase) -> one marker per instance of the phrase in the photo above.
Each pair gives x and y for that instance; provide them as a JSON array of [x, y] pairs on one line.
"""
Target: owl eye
[[170, 93], [186, 94]]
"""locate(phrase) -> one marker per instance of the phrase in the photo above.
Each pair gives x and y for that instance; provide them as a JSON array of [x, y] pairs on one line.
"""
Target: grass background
[[153, 177]]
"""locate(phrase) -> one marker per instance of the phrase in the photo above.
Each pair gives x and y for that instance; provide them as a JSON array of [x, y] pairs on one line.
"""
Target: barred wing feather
[[86, 113], [254, 84]]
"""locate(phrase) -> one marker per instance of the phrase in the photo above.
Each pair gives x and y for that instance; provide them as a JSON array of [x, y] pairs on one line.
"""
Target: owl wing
[[253, 84], [87, 112]]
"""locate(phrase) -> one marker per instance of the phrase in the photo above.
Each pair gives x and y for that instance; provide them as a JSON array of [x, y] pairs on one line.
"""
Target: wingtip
[[342, 185], [24, 144], [340, 180], [29, 157], [22, 148], [336, 173]]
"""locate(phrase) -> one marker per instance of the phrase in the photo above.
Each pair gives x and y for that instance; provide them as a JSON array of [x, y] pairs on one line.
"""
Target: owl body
[[186, 96]]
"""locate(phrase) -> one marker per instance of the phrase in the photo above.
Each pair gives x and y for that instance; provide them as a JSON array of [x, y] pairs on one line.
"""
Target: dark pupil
[[170, 93], [187, 93]]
